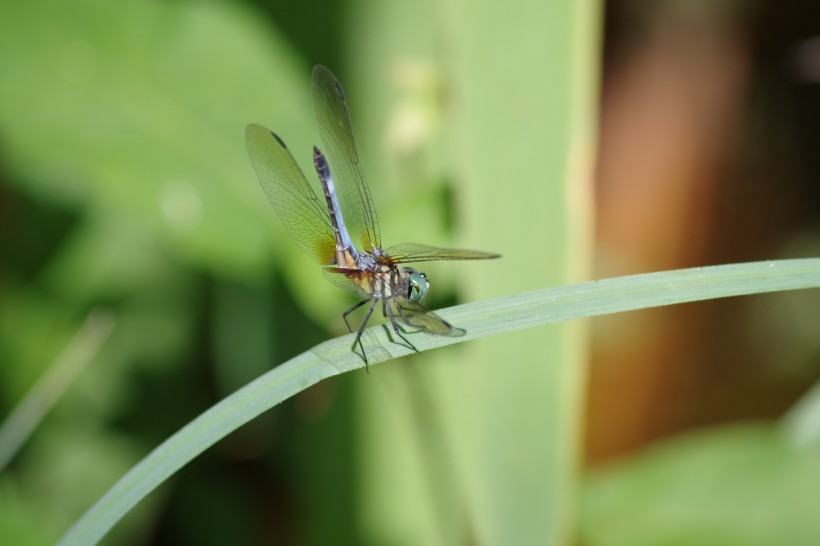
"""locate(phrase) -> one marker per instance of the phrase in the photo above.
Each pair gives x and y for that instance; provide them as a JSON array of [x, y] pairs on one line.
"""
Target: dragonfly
[[322, 227]]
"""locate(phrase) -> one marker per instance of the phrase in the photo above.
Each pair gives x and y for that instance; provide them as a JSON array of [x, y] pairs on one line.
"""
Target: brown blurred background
[[710, 153]]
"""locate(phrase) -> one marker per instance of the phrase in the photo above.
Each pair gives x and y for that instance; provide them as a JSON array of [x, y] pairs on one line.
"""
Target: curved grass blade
[[481, 319]]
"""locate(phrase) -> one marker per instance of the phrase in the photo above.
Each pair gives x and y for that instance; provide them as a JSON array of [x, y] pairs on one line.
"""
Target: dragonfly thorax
[[382, 279]]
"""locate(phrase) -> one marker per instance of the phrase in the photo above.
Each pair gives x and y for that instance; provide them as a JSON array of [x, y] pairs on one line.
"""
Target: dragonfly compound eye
[[418, 286]]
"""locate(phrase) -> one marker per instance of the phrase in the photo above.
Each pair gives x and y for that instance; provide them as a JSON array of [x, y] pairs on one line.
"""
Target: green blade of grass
[[481, 319]]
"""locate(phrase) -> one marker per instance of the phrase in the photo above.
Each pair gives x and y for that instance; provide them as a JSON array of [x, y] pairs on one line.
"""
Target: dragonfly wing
[[304, 215], [339, 280], [420, 317], [330, 106], [412, 252]]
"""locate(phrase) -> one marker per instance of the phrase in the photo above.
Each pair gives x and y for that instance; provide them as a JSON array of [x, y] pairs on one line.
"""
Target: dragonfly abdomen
[[344, 245]]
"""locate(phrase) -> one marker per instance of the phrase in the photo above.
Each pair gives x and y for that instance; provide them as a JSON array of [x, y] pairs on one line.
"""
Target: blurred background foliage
[[143, 275]]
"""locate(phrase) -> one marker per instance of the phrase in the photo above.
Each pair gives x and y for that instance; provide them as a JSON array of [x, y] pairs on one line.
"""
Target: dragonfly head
[[417, 285]]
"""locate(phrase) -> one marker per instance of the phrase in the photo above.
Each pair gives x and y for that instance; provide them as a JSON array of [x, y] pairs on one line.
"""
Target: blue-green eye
[[418, 285]]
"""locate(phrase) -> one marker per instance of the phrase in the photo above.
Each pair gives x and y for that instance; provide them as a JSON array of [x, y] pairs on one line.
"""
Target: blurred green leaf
[[124, 122], [20, 524], [744, 485], [118, 106], [492, 106]]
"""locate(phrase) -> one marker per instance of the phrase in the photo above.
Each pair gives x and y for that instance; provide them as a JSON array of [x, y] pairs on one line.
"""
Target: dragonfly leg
[[361, 328], [346, 313], [388, 312], [396, 327]]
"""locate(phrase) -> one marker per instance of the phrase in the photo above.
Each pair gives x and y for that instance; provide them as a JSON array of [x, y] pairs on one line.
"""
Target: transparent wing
[[339, 280], [420, 317], [332, 117], [304, 215], [412, 252]]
